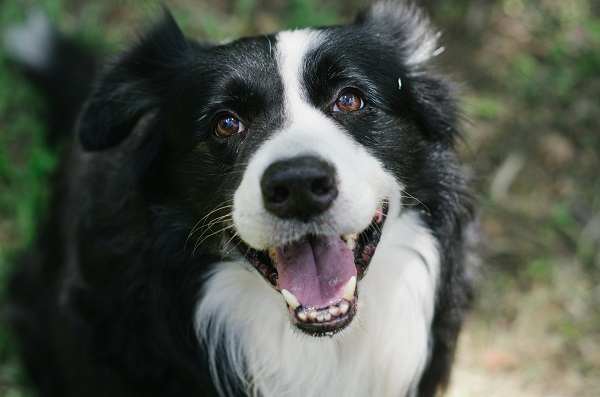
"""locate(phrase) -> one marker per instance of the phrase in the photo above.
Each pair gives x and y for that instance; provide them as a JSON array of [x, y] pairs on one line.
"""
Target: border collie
[[280, 215]]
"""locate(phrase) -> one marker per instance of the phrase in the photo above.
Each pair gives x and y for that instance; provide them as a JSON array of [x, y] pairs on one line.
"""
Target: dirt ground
[[532, 84]]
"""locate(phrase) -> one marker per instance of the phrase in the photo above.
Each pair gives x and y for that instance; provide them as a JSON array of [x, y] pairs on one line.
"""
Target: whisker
[[408, 195], [234, 247], [377, 227], [200, 241], [205, 236], [210, 226], [203, 220], [219, 208], [219, 219]]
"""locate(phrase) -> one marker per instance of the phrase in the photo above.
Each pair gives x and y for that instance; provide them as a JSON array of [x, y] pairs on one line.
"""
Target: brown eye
[[228, 125], [348, 102]]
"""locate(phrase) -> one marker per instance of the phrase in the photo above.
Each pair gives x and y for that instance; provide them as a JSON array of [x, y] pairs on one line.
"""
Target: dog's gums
[[317, 275]]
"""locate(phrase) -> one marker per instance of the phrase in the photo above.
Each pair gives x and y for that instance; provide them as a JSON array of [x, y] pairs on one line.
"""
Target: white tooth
[[344, 306], [312, 315], [350, 240], [334, 311], [351, 244], [320, 317], [327, 316], [290, 299], [302, 316], [350, 288], [273, 254]]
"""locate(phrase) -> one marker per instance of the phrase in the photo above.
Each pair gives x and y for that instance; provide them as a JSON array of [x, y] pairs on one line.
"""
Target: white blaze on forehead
[[292, 48]]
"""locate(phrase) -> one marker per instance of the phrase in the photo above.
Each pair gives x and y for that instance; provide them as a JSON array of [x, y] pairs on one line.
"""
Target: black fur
[[105, 304]]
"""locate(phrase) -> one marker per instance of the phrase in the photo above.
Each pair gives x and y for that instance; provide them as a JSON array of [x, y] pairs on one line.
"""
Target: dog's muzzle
[[316, 271]]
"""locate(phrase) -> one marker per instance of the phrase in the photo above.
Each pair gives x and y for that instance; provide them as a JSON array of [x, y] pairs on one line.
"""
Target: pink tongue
[[315, 269]]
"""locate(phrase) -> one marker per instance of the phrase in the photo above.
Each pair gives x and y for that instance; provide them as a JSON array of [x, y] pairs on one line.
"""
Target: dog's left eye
[[228, 125], [348, 102]]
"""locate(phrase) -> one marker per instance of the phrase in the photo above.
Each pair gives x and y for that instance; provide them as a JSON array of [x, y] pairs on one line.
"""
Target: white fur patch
[[385, 349]]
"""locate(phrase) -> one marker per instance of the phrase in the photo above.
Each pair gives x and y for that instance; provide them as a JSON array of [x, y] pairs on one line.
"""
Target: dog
[[280, 215]]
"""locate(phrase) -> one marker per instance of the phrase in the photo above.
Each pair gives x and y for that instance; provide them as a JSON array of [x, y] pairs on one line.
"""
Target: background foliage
[[531, 84]]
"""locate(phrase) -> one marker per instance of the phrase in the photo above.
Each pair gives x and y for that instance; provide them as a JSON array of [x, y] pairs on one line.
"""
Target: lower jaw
[[324, 321]]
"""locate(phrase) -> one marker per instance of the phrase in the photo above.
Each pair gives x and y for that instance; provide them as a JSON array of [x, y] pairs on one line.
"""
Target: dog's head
[[292, 150]]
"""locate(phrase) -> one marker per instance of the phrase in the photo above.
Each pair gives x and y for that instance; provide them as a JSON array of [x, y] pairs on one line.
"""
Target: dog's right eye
[[348, 102], [228, 125]]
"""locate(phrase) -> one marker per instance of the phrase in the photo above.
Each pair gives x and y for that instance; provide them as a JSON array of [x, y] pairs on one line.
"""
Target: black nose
[[299, 187]]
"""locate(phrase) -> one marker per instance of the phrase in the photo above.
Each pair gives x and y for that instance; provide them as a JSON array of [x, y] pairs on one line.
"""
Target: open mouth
[[317, 275]]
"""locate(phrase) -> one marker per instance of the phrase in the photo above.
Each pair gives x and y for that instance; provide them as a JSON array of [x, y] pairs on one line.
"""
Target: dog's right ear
[[131, 86]]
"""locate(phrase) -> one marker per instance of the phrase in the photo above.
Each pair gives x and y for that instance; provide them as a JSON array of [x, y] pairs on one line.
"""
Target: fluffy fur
[[143, 281]]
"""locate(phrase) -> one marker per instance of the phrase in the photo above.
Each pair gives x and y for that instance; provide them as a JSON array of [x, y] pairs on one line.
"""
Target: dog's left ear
[[131, 86], [408, 29]]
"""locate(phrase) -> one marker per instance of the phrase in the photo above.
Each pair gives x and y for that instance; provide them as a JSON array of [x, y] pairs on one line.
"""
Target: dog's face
[[314, 193], [291, 150]]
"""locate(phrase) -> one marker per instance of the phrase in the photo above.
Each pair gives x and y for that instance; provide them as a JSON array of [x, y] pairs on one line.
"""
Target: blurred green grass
[[531, 81]]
